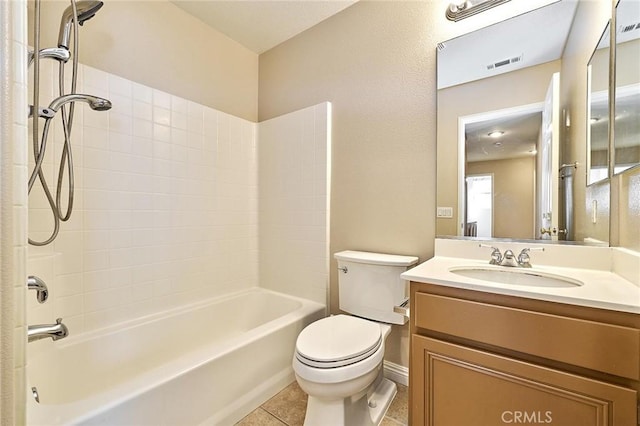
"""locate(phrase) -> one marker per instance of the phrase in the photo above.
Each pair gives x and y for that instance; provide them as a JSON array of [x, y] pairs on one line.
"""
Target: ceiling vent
[[630, 27], [496, 65]]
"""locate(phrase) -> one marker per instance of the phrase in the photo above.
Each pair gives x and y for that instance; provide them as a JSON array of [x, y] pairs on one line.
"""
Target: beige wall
[[513, 195], [376, 63], [486, 95], [625, 225], [157, 44]]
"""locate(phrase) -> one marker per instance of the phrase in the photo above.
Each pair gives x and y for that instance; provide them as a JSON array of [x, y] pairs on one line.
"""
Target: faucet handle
[[35, 283], [496, 256], [524, 258]]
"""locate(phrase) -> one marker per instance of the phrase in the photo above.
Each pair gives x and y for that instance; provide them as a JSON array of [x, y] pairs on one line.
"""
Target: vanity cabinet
[[484, 359]]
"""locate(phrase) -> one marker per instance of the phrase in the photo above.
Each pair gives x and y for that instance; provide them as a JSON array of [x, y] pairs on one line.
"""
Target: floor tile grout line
[[275, 417], [264, 406]]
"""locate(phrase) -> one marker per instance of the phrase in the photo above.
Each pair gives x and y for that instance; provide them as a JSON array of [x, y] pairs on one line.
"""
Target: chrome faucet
[[509, 259], [496, 256], [523, 257], [56, 331], [42, 292]]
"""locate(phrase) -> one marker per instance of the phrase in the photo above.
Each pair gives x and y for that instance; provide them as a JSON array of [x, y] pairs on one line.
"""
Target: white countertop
[[601, 288]]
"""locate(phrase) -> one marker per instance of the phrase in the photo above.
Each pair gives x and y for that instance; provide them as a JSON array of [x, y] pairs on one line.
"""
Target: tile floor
[[288, 407]]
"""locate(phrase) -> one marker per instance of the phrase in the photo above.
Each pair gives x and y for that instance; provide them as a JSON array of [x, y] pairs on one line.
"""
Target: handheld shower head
[[95, 103], [86, 10]]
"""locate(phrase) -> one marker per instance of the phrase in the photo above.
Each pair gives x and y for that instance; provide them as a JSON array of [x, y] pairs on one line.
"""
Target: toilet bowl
[[338, 363], [338, 359]]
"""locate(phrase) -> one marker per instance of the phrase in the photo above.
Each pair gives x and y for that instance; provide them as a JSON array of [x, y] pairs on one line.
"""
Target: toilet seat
[[338, 341]]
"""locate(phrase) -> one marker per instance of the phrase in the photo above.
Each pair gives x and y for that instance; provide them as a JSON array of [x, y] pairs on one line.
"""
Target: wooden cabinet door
[[454, 385]]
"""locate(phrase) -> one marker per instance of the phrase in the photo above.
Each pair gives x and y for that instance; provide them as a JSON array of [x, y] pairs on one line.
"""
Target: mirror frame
[[601, 95]]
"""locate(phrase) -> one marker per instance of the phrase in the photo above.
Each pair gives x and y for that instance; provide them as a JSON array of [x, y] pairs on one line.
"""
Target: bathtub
[[205, 364]]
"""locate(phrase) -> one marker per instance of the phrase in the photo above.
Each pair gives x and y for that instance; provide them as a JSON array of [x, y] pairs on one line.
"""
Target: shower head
[[96, 103], [86, 10], [59, 53]]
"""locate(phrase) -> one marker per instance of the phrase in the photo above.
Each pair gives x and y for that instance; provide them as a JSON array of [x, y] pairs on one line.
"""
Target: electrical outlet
[[446, 212]]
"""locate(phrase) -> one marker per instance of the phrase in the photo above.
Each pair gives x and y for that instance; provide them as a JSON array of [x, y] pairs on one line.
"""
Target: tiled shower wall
[[165, 209], [294, 158]]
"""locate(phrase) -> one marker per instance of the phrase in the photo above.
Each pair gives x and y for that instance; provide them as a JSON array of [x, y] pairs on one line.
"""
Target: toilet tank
[[370, 285]]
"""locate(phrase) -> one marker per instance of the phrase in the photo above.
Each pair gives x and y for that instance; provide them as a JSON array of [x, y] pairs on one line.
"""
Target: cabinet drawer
[[574, 341]]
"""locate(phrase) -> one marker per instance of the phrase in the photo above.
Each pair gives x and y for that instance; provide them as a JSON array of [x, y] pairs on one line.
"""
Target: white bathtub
[[209, 363]]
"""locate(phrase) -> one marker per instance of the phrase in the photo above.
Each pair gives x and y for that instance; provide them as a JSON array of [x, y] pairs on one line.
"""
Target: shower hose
[[40, 142]]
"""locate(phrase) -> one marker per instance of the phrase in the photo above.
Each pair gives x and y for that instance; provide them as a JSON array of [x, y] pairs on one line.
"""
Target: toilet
[[338, 359]]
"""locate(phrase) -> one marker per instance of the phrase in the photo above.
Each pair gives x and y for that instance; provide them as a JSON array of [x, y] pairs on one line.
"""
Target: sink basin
[[515, 276]]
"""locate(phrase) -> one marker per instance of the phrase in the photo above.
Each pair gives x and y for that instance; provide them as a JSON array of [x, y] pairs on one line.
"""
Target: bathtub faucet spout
[[41, 331]]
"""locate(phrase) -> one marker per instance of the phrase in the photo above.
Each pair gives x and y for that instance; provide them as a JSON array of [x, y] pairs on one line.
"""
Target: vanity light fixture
[[495, 134], [465, 8]]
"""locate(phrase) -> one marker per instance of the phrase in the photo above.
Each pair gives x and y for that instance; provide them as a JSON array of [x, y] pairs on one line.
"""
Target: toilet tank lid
[[376, 258]]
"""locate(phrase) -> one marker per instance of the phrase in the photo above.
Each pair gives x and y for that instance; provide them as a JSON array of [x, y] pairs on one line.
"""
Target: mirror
[[500, 156], [506, 78], [627, 101], [598, 111]]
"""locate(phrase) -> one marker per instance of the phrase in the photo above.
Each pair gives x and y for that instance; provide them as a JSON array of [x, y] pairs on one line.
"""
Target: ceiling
[[520, 138], [535, 37], [261, 25]]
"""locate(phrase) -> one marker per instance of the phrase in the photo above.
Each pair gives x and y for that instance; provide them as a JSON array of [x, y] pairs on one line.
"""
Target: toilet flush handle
[[343, 269]]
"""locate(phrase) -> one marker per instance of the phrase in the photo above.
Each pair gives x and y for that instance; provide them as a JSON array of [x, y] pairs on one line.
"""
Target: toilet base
[[365, 409]]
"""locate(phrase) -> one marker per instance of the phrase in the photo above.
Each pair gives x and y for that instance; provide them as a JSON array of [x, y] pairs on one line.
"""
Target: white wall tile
[[161, 133], [142, 93], [162, 116], [147, 195], [95, 78], [292, 191], [142, 110], [120, 86], [161, 99]]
